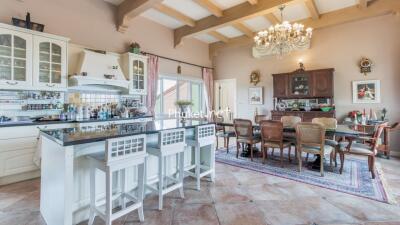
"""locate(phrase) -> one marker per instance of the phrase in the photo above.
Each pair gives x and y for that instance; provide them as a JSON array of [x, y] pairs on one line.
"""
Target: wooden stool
[[204, 136], [121, 153], [170, 142]]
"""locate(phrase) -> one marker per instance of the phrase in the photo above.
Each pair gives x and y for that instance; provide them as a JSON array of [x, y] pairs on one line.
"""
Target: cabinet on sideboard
[[305, 116]]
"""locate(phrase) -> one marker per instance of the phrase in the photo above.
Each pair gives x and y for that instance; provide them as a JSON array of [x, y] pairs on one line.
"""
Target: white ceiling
[[292, 12]]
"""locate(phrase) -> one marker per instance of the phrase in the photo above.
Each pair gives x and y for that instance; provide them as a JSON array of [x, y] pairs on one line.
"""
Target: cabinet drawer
[[18, 161], [18, 143], [18, 132]]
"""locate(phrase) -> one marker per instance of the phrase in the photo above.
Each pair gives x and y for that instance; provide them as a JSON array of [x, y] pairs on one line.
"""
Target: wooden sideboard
[[305, 116], [315, 83]]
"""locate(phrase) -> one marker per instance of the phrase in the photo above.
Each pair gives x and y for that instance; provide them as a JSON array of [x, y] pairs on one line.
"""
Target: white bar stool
[[204, 136], [170, 142], [121, 153]]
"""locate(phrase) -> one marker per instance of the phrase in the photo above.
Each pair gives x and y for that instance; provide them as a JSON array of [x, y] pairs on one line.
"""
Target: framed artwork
[[256, 96], [367, 91]]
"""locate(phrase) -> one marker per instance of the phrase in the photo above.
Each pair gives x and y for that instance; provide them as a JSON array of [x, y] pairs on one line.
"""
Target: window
[[171, 89]]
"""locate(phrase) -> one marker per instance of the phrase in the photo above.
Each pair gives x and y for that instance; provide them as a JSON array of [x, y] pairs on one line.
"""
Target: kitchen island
[[64, 197]]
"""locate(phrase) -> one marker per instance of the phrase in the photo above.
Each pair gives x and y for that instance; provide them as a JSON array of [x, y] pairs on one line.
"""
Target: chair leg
[[216, 148], [290, 151], [227, 145], [281, 148], [307, 157], [141, 184], [369, 163], [373, 167], [251, 152], [237, 149], [263, 153], [322, 165], [212, 166], [331, 159], [182, 170], [224, 142], [197, 169], [273, 150], [160, 182], [299, 158], [295, 152], [109, 184], [335, 157], [341, 154]]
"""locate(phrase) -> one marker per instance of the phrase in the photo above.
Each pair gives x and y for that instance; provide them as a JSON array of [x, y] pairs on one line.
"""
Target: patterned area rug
[[355, 180]]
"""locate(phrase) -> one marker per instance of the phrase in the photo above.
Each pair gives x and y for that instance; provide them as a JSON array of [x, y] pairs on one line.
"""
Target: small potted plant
[[384, 111], [183, 108], [135, 48]]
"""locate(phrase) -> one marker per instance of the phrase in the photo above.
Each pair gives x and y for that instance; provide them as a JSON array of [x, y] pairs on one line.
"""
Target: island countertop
[[89, 134]]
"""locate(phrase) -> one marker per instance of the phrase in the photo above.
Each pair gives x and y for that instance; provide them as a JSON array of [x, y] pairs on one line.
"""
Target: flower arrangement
[[181, 103]]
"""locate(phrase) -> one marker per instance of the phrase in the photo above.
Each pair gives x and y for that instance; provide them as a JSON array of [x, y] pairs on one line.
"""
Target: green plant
[[183, 103]]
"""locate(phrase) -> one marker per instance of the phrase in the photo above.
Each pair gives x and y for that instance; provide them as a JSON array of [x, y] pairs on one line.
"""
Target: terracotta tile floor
[[239, 197]]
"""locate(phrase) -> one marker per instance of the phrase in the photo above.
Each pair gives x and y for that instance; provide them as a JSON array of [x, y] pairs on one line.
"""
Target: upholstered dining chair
[[259, 118], [311, 139], [244, 135], [272, 137], [369, 149], [291, 122], [222, 132], [329, 123]]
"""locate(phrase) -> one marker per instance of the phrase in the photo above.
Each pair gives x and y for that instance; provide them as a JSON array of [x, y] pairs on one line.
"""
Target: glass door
[[300, 85], [138, 76], [15, 58]]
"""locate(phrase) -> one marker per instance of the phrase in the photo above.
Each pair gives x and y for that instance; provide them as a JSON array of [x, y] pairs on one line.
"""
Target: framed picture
[[367, 91], [256, 96]]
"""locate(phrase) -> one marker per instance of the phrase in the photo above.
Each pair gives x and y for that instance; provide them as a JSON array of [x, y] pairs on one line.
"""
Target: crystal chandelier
[[283, 38]]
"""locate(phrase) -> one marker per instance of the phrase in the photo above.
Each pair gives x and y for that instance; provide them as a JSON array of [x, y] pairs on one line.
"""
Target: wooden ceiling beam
[[350, 14], [175, 14], [244, 29], [210, 6], [219, 36], [232, 15], [272, 18], [129, 9], [312, 8], [253, 2]]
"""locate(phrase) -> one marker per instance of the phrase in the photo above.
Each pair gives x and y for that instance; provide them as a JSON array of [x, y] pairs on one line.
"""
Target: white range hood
[[98, 71]]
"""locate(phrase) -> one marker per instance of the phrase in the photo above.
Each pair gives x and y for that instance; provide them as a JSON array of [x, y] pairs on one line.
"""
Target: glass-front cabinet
[[50, 63], [135, 69], [15, 59], [300, 85]]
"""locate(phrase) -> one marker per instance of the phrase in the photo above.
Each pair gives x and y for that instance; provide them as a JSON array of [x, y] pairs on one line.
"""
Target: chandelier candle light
[[283, 38]]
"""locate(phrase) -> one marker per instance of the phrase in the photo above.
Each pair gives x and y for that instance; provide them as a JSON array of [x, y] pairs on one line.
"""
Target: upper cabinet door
[[15, 59], [323, 83], [280, 85], [138, 74], [49, 63], [300, 85]]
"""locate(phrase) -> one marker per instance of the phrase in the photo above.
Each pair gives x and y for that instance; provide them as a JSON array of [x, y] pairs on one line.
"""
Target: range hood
[[98, 71]]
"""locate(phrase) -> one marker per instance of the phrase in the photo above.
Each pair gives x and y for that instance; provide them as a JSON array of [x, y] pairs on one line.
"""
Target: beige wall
[[91, 23], [340, 47]]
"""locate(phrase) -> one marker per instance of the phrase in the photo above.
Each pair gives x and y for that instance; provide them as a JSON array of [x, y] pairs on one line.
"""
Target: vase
[[183, 110]]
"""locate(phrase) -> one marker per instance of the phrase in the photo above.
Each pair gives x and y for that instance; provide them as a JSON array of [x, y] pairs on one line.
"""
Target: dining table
[[342, 132]]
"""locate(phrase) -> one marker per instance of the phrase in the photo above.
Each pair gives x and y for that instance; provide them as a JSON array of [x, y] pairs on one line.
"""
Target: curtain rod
[[170, 59]]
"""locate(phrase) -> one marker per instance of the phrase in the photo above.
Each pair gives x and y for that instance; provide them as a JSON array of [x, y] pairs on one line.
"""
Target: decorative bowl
[[326, 109]]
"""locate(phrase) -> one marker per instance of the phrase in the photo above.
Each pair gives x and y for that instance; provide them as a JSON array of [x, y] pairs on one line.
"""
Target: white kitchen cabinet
[[49, 63], [135, 69], [15, 59]]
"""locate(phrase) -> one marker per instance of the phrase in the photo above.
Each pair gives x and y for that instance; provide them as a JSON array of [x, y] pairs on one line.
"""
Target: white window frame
[[178, 78]]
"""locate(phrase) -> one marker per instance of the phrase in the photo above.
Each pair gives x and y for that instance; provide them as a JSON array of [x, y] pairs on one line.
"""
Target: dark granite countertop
[[89, 134], [36, 123]]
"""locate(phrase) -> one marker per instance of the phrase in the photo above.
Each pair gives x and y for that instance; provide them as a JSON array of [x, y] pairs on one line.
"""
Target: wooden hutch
[[303, 93]]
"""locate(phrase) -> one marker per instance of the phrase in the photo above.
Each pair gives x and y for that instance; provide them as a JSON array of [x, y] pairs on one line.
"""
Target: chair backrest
[[377, 135], [271, 131], [243, 128], [218, 119], [205, 133], [327, 123], [311, 134], [171, 138], [290, 121], [125, 147], [259, 118]]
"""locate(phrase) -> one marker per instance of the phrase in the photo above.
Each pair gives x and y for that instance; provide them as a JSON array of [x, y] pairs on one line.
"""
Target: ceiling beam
[[252, 2], [350, 14], [363, 4], [219, 36], [272, 18], [232, 15], [210, 6], [129, 9], [244, 29], [175, 14], [312, 8]]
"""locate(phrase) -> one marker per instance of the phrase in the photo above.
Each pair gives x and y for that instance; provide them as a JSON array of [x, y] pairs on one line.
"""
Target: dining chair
[[272, 137], [311, 139], [259, 118], [291, 122], [385, 146], [244, 135], [368, 149], [222, 132], [330, 124]]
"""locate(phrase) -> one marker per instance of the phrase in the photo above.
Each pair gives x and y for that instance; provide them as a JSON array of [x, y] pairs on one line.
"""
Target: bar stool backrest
[[170, 139], [205, 133], [125, 148]]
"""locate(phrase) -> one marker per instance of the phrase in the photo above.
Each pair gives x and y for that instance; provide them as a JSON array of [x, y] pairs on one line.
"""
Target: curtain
[[208, 80], [152, 81]]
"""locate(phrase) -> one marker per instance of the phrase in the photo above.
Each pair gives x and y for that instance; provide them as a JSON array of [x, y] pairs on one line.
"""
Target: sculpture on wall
[[365, 66], [255, 77]]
